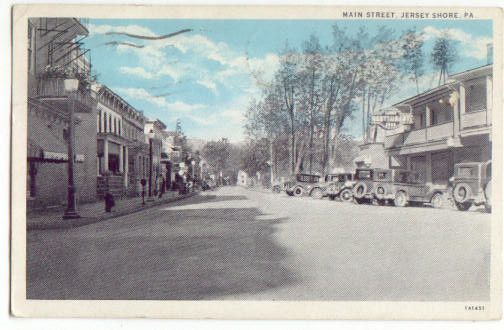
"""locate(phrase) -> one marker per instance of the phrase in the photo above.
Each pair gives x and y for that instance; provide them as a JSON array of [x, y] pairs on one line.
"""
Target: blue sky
[[208, 76]]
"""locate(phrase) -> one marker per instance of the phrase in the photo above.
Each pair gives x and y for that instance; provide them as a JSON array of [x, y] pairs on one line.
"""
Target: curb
[[68, 224]]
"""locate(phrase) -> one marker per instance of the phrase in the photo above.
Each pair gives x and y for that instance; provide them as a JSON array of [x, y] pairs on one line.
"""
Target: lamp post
[[71, 86], [192, 168], [151, 138]]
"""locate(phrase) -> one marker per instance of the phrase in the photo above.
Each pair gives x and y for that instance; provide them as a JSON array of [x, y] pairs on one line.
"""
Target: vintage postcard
[[269, 162]]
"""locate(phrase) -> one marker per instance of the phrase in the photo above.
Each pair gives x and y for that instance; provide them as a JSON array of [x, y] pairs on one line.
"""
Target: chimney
[[489, 53]]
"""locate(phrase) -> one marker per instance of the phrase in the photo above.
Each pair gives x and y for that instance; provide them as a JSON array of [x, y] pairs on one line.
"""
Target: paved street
[[235, 243]]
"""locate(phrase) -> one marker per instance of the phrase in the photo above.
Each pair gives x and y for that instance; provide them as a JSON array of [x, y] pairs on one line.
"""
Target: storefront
[[451, 124]]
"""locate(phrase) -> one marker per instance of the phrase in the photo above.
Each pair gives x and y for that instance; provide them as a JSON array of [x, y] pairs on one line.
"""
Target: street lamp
[[192, 169], [71, 86], [151, 138]]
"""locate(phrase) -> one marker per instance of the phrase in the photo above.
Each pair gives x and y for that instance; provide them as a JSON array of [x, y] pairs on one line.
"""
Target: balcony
[[53, 91], [419, 136], [474, 119]]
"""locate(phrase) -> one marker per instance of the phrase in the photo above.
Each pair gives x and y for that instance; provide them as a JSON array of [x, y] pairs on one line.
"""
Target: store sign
[[62, 157], [391, 120]]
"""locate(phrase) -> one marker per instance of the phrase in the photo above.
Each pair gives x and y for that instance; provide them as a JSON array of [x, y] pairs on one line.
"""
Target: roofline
[[441, 87], [106, 88]]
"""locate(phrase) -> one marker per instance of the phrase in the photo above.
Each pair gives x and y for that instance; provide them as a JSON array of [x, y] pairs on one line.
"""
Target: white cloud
[[179, 106], [475, 47], [144, 95], [204, 120], [136, 71], [131, 29], [208, 83], [173, 71]]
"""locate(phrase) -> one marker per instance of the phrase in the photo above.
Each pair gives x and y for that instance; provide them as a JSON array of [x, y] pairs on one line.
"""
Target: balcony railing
[[474, 119], [440, 131], [53, 89], [431, 133]]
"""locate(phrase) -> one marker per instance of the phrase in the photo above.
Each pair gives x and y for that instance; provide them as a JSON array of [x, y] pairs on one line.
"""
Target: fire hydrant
[[109, 202]]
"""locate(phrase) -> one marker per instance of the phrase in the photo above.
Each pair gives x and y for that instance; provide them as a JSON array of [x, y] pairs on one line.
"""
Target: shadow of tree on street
[[203, 254]]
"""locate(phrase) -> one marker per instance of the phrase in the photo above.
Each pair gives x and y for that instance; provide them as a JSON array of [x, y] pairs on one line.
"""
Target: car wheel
[[346, 195], [488, 208], [276, 189], [332, 197], [437, 200], [462, 193], [463, 206], [290, 193], [359, 190], [317, 193], [401, 200], [298, 191]]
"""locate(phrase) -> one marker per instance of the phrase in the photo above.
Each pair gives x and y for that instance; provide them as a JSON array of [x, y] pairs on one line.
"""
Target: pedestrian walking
[[163, 187]]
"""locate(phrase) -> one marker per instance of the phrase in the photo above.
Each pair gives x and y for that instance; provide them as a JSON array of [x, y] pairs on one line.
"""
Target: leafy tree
[[413, 57], [443, 55]]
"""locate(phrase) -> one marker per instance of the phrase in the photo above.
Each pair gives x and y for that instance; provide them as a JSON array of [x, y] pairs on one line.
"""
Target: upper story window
[[99, 121], [440, 111], [419, 117], [105, 122], [476, 95]]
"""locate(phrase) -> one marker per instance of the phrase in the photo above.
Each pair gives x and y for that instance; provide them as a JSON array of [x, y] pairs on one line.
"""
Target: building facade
[[54, 55], [122, 157], [451, 124], [154, 135]]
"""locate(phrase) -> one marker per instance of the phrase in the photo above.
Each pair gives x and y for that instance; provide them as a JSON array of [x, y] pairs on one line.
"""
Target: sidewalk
[[95, 212]]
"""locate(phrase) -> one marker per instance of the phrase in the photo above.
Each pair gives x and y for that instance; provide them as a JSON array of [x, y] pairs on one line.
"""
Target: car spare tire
[[359, 191], [462, 193]]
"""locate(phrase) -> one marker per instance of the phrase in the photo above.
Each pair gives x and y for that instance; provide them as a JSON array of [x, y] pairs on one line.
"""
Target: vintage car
[[472, 185], [280, 185], [305, 184], [339, 186], [403, 187], [363, 186]]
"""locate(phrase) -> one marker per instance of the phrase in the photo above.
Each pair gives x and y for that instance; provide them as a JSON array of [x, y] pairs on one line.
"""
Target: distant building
[[122, 154], [49, 63], [154, 136]]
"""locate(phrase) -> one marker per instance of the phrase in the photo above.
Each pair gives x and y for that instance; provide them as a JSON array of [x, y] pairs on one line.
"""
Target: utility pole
[[71, 85]]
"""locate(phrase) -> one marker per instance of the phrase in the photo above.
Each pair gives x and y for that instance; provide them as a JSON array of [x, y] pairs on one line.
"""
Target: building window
[[440, 112], [105, 122], [30, 179], [120, 133], [476, 96], [99, 121], [31, 38], [110, 123]]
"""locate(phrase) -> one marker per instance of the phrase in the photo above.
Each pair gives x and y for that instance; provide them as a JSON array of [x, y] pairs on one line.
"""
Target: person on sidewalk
[[163, 187]]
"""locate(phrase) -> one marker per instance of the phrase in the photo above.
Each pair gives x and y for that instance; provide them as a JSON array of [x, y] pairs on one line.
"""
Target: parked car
[[472, 185], [363, 186], [305, 184], [403, 187], [280, 185], [339, 186]]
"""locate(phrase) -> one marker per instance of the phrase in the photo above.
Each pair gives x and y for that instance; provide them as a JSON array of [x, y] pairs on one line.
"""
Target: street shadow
[[203, 254]]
